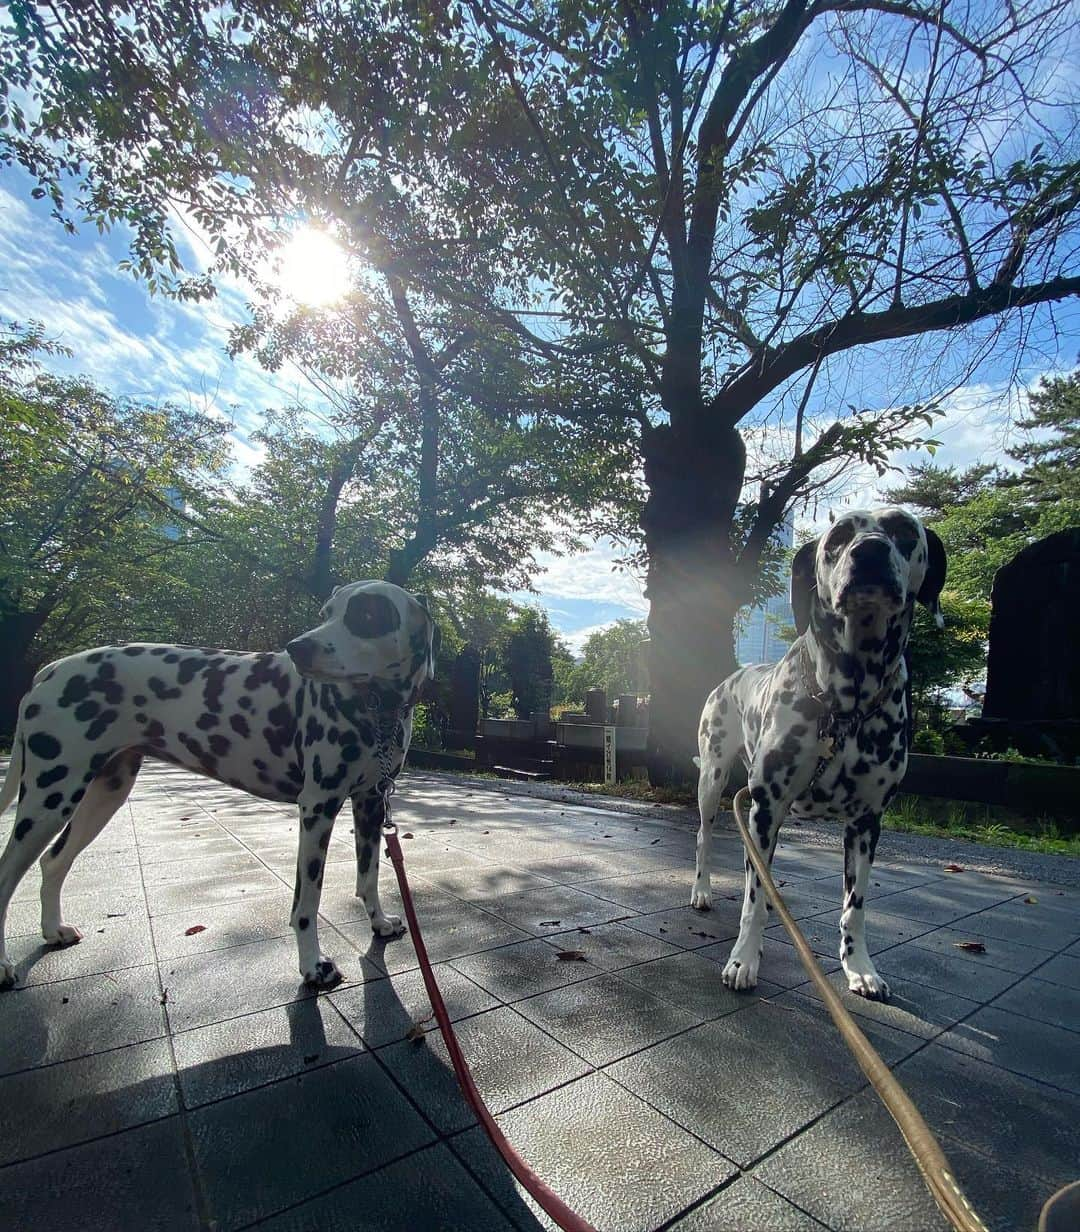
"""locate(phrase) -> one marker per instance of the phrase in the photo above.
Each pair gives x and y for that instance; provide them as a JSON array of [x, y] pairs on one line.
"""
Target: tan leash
[[936, 1169]]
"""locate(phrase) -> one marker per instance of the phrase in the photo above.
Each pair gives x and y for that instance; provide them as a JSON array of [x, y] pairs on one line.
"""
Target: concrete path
[[170, 1072]]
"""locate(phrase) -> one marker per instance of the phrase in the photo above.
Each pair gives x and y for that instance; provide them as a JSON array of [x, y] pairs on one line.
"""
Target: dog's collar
[[834, 724]]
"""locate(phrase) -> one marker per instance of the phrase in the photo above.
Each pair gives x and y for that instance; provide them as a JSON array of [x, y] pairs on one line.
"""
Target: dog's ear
[[934, 578], [423, 601], [436, 645], [803, 584]]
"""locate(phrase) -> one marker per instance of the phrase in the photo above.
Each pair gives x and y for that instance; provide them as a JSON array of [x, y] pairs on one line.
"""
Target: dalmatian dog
[[824, 732], [327, 720]]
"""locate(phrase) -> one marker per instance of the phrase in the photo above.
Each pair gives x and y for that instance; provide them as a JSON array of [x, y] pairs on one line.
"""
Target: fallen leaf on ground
[[954, 868], [549, 923], [1031, 899], [407, 834], [571, 956], [712, 936], [163, 998], [114, 915], [311, 1058], [417, 1031], [195, 928], [972, 947]]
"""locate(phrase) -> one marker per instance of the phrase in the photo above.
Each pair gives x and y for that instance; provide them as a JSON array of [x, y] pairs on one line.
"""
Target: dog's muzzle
[[302, 652], [872, 581]]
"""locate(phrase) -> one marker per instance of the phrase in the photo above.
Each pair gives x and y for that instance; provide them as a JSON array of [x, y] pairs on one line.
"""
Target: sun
[[312, 268]]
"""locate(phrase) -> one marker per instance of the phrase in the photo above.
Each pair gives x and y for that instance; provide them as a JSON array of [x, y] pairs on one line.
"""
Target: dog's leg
[[860, 844], [315, 831], [719, 742], [37, 823], [368, 812], [710, 789], [103, 797], [766, 814]]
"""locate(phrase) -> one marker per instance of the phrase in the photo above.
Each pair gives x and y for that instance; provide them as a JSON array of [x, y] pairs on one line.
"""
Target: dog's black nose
[[301, 650], [871, 551]]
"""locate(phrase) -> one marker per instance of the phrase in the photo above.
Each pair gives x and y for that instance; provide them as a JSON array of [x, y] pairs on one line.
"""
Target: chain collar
[[387, 720], [834, 724]]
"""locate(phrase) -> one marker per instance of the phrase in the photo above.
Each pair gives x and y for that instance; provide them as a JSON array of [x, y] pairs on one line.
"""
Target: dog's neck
[[854, 657]]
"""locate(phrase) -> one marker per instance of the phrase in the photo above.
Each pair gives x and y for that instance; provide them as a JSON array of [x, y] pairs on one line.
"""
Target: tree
[[528, 662], [1052, 457], [715, 203], [441, 427], [614, 659], [984, 516], [97, 497]]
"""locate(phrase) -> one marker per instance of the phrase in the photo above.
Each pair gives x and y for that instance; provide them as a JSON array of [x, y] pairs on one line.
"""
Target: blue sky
[[157, 349]]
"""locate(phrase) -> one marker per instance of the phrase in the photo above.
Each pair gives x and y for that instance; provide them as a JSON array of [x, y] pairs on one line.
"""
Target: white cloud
[[592, 575]]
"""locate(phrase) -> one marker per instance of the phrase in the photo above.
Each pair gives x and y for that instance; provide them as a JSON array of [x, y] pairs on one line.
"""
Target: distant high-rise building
[[175, 499], [759, 638]]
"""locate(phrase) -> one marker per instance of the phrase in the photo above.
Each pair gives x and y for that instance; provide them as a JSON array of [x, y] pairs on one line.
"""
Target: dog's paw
[[7, 972], [63, 934], [325, 974], [868, 984], [740, 975], [701, 900], [387, 925]]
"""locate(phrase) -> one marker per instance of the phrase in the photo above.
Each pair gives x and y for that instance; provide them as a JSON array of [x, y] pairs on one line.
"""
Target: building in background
[[174, 498], [759, 639]]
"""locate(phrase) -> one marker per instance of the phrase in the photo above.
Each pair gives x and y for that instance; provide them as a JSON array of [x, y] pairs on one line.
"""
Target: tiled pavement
[[154, 1079]]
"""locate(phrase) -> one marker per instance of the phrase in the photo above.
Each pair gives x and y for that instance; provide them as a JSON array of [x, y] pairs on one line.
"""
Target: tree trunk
[[322, 571], [694, 479], [17, 632]]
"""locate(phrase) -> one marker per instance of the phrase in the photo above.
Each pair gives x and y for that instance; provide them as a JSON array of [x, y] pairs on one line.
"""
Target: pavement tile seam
[[318, 1194], [198, 1187], [98, 1137], [942, 1038], [740, 1175]]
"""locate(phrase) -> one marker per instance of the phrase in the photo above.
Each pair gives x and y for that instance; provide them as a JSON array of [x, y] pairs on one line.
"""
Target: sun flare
[[313, 268]]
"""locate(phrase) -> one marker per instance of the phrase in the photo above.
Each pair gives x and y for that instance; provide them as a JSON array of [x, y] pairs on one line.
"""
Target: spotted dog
[[316, 726], [824, 732]]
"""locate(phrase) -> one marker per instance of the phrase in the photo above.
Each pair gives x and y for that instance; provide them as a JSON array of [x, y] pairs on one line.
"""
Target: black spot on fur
[[23, 828], [101, 724], [48, 777], [54, 799], [42, 745]]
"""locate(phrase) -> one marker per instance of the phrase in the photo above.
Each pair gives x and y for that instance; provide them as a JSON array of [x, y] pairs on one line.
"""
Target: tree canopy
[[689, 215]]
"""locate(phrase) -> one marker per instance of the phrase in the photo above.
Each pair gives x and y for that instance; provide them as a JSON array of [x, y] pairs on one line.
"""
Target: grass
[[975, 823]]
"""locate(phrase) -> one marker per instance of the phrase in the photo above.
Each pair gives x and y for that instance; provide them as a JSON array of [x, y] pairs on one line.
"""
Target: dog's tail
[[14, 772]]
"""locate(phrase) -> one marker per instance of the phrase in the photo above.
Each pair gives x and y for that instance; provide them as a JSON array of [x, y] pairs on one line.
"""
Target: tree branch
[[775, 365]]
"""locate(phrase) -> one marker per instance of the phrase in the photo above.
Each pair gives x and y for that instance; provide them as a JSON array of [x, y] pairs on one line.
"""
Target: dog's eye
[[371, 616], [840, 535], [902, 531]]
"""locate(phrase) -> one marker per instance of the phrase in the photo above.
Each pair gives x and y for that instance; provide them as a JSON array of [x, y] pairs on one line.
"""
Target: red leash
[[567, 1219]]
